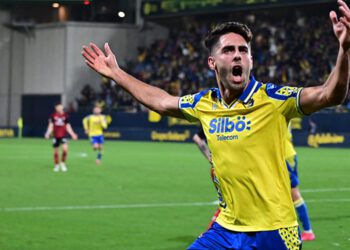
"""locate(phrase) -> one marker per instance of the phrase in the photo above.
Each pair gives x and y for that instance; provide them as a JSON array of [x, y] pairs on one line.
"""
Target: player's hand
[[96, 59], [341, 26], [47, 136], [74, 136], [86, 132]]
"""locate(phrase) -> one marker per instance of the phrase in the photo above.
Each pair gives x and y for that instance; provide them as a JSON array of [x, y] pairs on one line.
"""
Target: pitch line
[[324, 190], [117, 206], [130, 206]]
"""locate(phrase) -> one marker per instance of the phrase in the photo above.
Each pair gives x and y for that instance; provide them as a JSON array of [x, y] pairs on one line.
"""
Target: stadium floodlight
[[55, 5], [121, 14]]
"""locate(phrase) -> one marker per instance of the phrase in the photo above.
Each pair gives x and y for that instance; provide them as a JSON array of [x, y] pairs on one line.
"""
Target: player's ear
[[211, 62], [251, 62]]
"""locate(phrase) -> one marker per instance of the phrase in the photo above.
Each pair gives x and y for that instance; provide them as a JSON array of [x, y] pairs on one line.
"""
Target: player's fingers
[[87, 57], [345, 22], [90, 64], [333, 17], [343, 4], [345, 13], [108, 50], [96, 49], [89, 52]]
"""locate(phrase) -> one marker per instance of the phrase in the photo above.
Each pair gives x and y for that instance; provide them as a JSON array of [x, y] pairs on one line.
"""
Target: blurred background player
[[299, 203], [201, 141], [94, 125], [59, 125]]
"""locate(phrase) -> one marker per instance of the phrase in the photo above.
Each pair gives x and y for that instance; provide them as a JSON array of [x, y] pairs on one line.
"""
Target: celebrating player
[[299, 203], [201, 141], [244, 122], [59, 125], [93, 126]]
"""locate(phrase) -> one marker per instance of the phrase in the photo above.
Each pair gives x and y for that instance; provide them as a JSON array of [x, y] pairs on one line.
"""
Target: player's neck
[[229, 95]]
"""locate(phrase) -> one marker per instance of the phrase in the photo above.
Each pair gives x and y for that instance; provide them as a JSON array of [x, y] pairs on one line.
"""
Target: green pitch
[[143, 196]]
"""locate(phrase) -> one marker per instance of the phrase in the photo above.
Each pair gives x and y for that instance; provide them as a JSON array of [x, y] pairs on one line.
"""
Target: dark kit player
[[59, 125]]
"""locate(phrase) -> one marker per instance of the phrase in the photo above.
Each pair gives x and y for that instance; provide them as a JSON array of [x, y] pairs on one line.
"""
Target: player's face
[[232, 61], [59, 108], [97, 110]]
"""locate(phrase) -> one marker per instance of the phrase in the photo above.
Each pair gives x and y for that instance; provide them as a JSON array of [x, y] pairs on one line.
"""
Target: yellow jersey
[[290, 150], [246, 139], [95, 124]]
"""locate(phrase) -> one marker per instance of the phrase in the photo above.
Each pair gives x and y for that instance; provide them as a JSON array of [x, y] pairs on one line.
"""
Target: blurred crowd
[[297, 51]]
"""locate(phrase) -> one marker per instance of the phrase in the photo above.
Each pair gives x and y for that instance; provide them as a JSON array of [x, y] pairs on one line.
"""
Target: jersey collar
[[245, 97], [249, 91]]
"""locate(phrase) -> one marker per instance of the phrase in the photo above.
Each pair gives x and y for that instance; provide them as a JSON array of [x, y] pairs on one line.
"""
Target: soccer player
[[299, 203], [244, 122], [201, 141], [59, 125], [94, 125]]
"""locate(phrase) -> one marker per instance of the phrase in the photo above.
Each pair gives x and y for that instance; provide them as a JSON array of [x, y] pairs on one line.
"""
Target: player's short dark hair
[[58, 103], [224, 28]]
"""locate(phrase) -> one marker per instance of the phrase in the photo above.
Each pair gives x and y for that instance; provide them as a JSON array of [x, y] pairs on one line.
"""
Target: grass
[[142, 173]]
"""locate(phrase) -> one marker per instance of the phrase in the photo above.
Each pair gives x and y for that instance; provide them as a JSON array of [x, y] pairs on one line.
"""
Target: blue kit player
[[299, 203]]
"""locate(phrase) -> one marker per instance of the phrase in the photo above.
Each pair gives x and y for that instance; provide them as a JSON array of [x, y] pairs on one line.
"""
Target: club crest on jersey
[[225, 125], [250, 103]]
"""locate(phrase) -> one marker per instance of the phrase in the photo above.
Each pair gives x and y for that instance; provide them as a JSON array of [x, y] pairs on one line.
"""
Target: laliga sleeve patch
[[281, 92], [186, 101]]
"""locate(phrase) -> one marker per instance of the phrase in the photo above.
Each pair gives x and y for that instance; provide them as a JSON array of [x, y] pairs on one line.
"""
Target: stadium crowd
[[297, 50]]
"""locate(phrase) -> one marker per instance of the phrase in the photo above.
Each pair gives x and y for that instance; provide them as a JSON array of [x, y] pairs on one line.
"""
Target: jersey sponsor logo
[[229, 125], [228, 128], [59, 121]]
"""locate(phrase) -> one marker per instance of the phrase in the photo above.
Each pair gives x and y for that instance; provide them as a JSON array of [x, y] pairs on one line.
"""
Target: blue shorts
[[219, 238], [97, 139], [292, 165]]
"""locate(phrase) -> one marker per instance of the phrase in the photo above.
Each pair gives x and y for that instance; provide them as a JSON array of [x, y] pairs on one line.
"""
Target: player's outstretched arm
[[49, 130], [334, 90], [152, 97], [71, 131]]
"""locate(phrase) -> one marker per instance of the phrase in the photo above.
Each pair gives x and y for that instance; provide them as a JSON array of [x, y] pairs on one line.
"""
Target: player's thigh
[[281, 239], [296, 195], [65, 144], [100, 141], [56, 142]]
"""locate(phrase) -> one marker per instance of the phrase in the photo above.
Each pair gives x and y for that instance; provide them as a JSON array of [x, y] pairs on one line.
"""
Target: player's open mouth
[[237, 73]]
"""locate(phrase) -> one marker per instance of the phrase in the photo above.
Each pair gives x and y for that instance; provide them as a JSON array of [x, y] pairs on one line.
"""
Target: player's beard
[[231, 82]]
